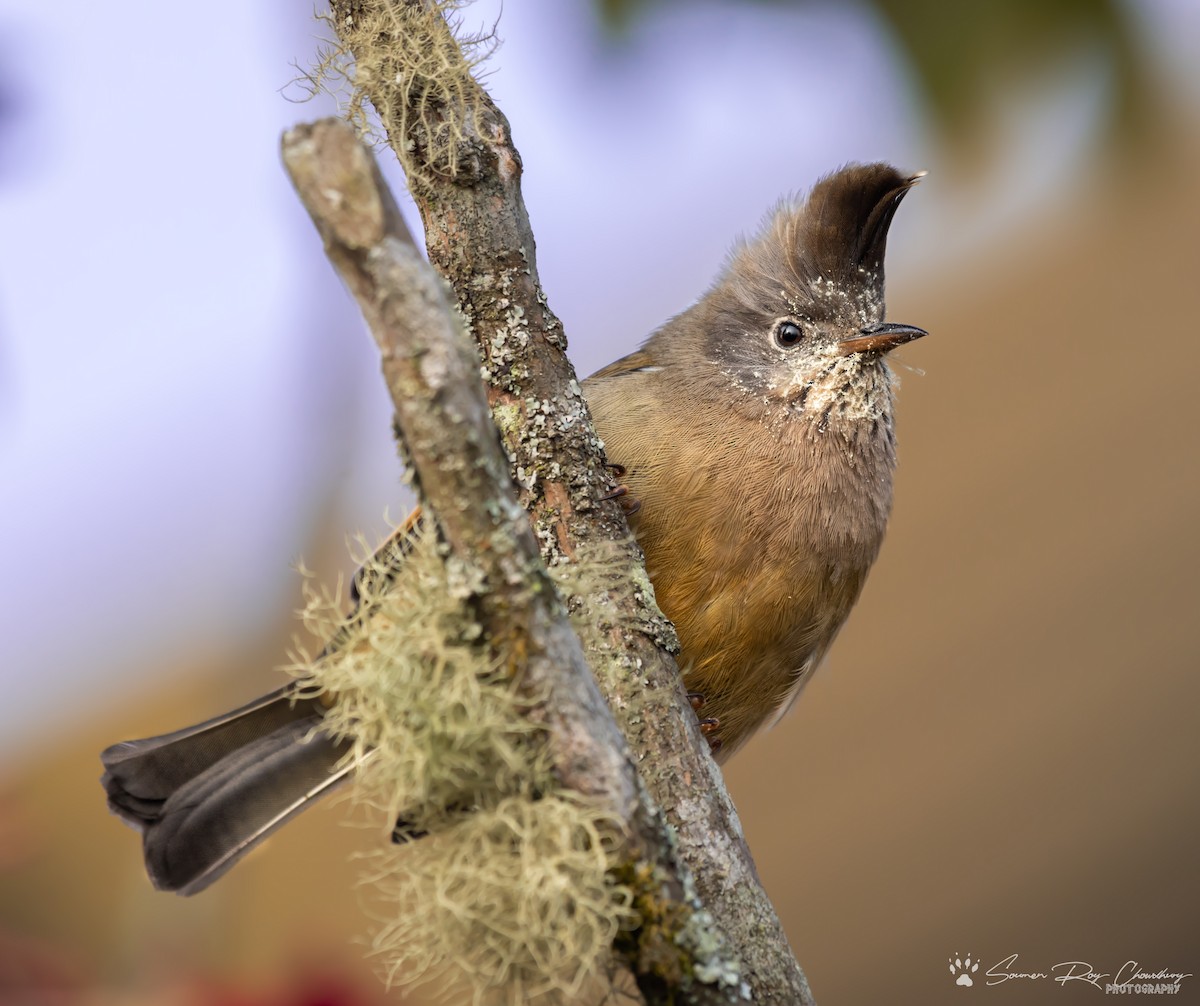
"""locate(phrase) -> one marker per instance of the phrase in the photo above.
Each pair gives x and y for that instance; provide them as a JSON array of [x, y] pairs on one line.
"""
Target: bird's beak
[[880, 338]]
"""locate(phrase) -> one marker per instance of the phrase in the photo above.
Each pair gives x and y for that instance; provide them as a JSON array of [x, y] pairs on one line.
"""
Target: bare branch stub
[[464, 172], [432, 372]]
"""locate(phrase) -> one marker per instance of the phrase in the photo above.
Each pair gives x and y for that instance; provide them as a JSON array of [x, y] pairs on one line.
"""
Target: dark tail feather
[[142, 774], [204, 796]]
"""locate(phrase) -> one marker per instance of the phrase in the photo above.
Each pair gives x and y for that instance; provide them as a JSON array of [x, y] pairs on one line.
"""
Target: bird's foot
[[708, 724], [629, 504]]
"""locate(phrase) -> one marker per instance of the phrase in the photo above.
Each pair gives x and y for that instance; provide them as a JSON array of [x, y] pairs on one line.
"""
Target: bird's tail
[[204, 796]]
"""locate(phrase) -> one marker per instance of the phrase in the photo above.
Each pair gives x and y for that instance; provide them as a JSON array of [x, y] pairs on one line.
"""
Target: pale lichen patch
[[515, 893]]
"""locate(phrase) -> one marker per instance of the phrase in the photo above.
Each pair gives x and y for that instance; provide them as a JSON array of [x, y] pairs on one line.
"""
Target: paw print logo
[[964, 969]]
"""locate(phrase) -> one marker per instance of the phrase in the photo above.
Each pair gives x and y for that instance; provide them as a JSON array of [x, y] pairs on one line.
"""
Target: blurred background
[[1001, 756]]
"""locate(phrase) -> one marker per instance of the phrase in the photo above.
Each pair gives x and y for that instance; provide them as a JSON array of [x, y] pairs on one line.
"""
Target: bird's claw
[[708, 724], [629, 504]]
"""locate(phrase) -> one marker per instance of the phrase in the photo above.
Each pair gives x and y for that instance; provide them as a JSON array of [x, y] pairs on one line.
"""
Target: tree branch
[[432, 373], [464, 173]]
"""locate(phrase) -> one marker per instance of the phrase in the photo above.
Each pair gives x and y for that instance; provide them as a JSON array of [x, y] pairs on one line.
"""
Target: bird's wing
[[641, 359]]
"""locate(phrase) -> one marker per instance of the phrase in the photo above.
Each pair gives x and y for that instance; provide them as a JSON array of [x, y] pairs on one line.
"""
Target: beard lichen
[[511, 892], [416, 65], [515, 899]]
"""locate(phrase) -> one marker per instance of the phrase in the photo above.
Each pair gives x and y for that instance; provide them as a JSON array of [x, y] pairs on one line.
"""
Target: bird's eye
[[788, 334]]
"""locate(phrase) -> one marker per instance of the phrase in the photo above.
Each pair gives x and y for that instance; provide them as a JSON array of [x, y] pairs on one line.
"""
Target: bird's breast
[[757, 542]]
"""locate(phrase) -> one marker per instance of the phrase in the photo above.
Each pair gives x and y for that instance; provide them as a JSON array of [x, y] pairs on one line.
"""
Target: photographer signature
[[1081, 971]]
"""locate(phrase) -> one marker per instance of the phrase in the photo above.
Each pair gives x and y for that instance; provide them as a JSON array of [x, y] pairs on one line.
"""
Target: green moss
[[653, 944], [508, 418]]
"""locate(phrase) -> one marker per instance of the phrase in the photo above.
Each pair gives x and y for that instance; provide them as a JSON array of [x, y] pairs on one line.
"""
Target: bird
[[755, 431]]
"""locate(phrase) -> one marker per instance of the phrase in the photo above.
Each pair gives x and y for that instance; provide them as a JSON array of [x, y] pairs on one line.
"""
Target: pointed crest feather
[[838, 235]]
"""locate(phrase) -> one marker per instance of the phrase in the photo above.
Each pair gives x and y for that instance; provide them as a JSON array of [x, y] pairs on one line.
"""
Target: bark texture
[[464, 172], [432, 372]]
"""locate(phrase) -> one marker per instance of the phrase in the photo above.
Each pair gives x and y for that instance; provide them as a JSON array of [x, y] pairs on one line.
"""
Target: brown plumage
[[756, 431], [764, 471]]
